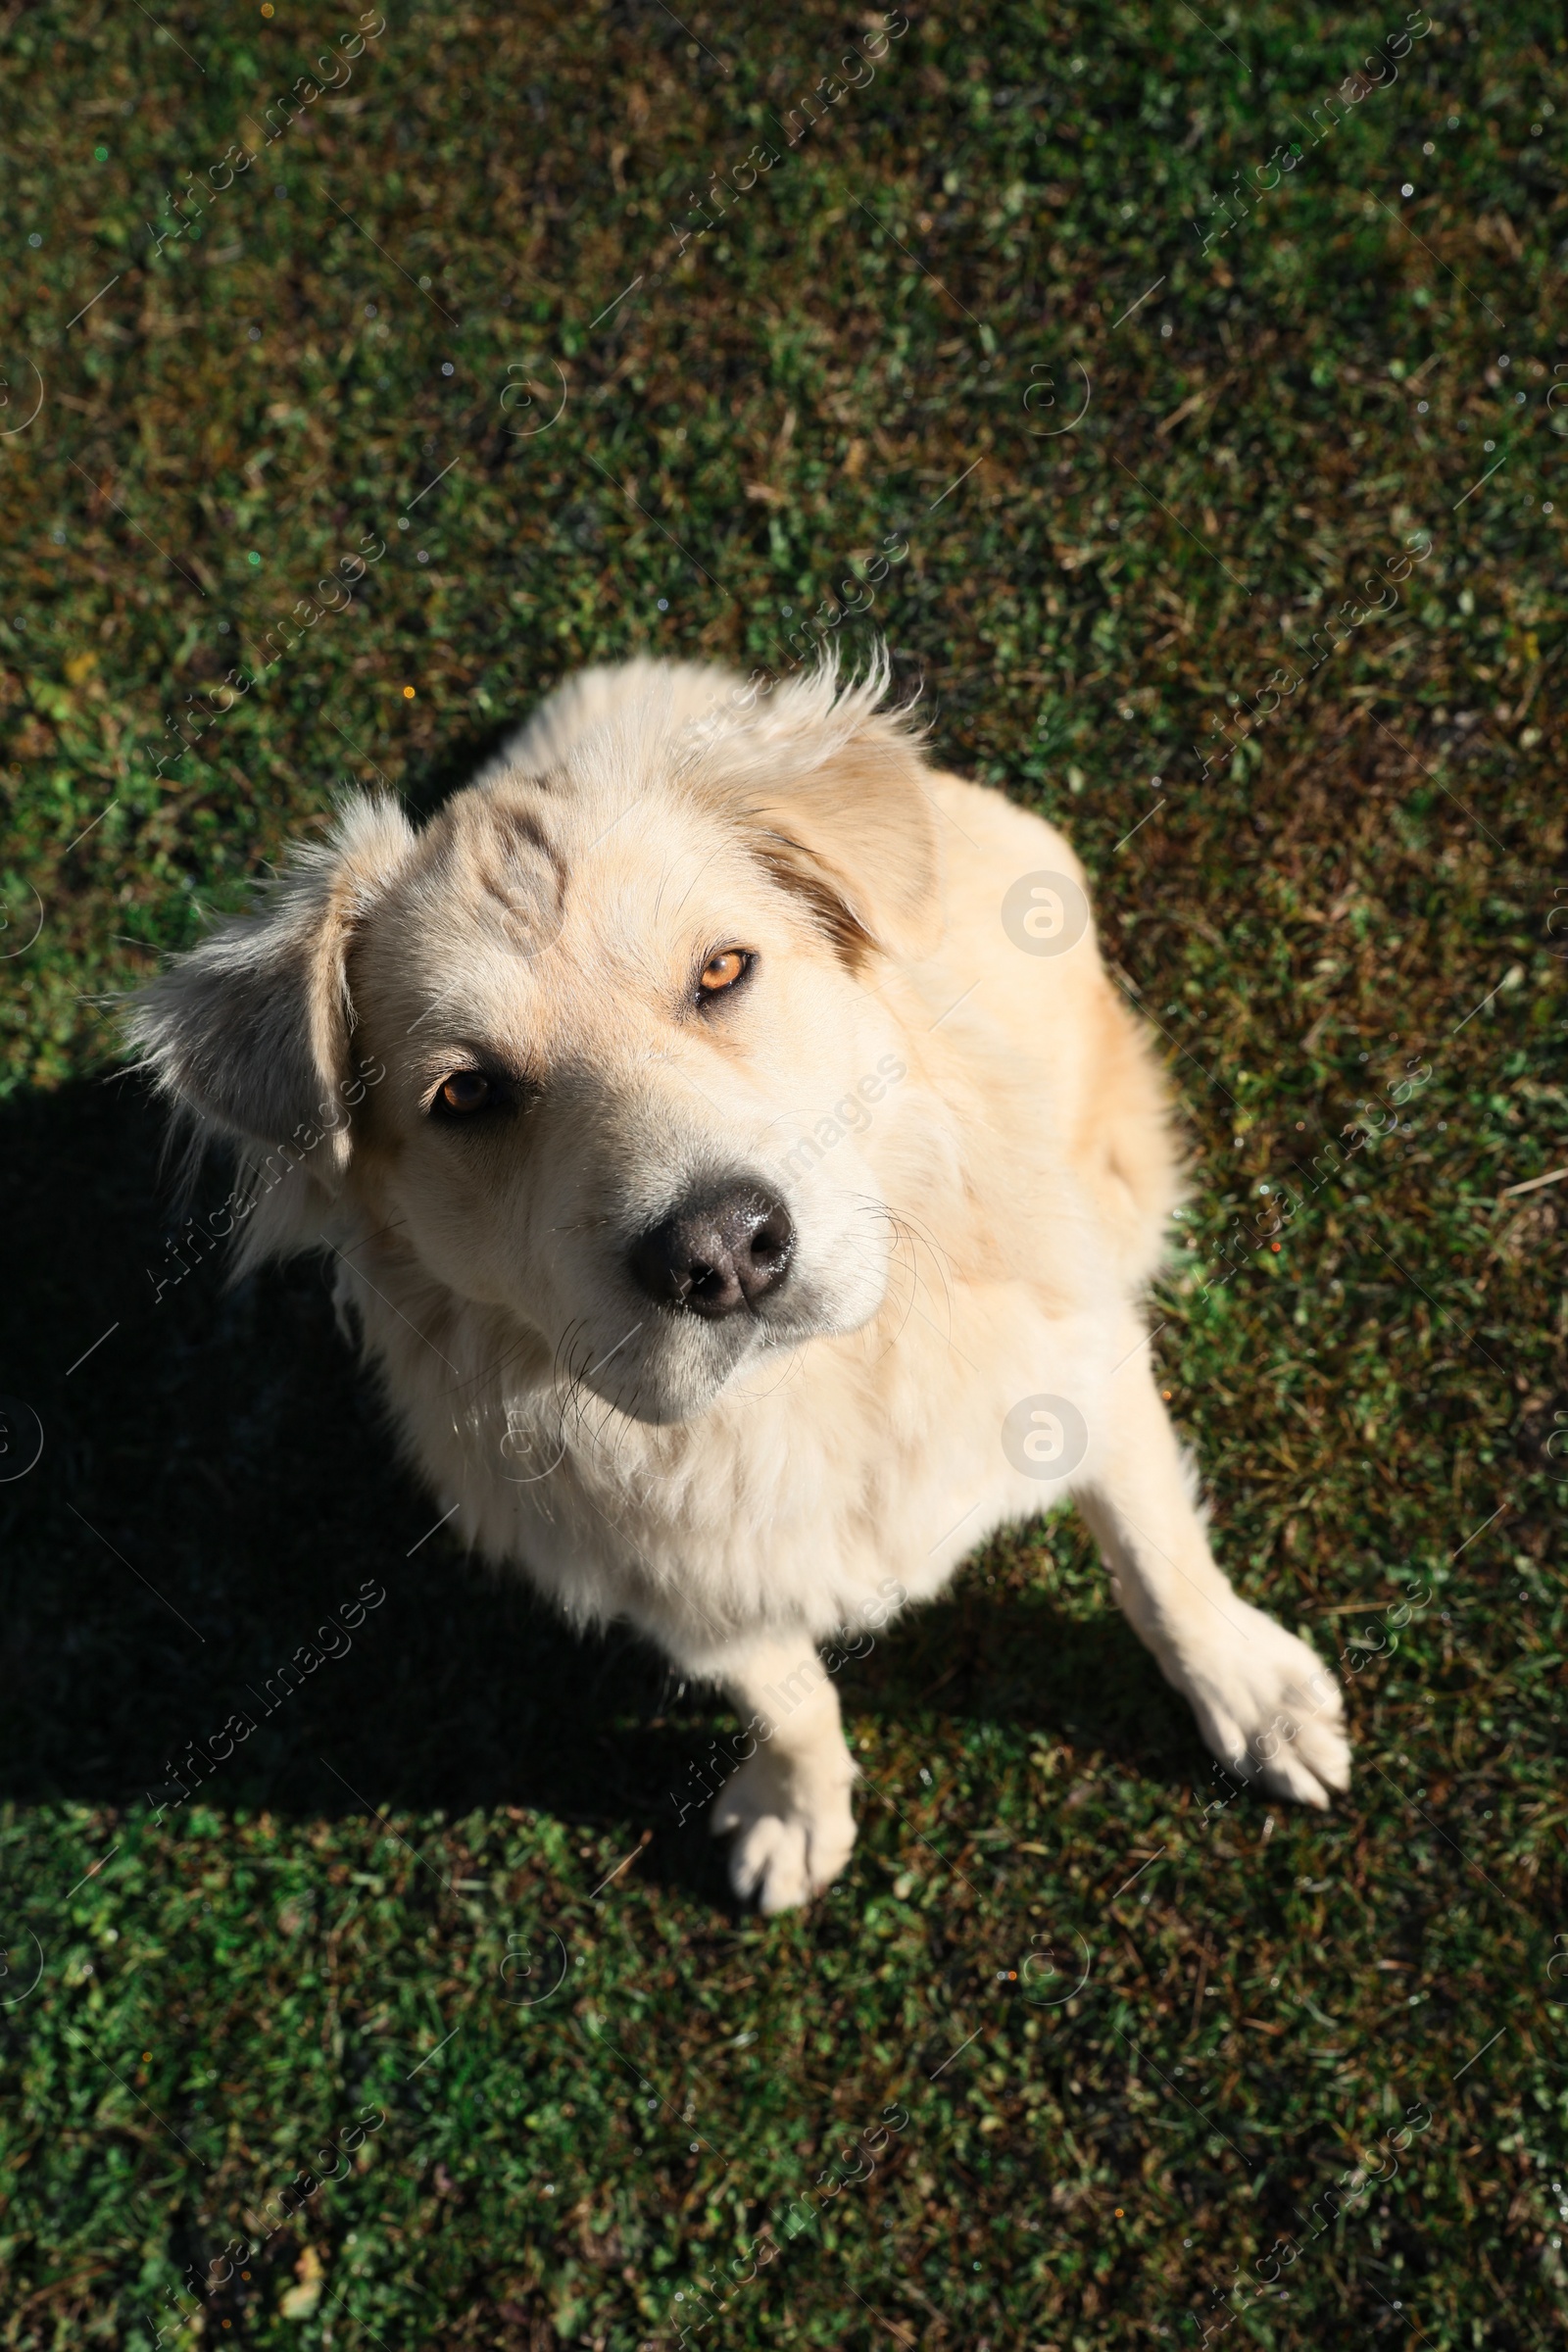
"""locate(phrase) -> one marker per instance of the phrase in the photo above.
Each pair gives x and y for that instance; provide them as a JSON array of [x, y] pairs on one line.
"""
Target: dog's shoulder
[[986, 826]]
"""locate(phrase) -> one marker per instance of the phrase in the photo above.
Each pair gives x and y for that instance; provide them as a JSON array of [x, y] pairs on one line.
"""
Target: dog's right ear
[[250, 1033]]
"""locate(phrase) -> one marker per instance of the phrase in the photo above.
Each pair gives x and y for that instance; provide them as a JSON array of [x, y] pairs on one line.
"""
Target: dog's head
[[624, 992]]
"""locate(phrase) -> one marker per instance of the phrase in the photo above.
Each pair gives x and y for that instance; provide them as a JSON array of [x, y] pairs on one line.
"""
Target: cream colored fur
[[971, 1233]]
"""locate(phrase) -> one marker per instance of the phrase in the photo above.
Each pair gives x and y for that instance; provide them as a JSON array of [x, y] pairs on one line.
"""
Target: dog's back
[[1052, 997]]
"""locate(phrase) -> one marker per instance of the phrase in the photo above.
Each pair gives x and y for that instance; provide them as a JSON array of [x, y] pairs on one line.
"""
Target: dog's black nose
[[716, 1253]]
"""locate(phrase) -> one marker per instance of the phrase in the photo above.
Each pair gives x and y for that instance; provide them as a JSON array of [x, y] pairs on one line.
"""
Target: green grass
[[1360, 892]]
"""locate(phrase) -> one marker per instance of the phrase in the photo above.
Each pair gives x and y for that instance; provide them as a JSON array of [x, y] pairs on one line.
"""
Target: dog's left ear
[[834, 800], [249, 1034], [857, 840]]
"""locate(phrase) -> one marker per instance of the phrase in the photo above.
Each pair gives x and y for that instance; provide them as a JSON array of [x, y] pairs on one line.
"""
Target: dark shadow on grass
[[460, 758], [1021, 1660], [218, 1480]]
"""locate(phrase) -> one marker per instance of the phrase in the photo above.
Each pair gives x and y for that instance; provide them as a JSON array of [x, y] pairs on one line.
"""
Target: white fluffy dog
[[744, 1176]]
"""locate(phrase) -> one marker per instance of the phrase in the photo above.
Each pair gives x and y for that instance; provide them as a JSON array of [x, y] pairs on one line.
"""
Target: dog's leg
[[789, 1804], [1265, 1704]]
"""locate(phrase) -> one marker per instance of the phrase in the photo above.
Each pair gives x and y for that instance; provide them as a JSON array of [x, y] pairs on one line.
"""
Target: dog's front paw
[[793, 1833], [1269, 1709]]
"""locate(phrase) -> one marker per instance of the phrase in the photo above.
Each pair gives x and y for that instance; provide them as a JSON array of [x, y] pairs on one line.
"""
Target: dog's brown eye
[[722, 971], [465, 1090]]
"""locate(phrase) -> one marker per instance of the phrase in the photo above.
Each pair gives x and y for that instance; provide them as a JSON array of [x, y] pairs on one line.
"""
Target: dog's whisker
[[917, 1239]]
